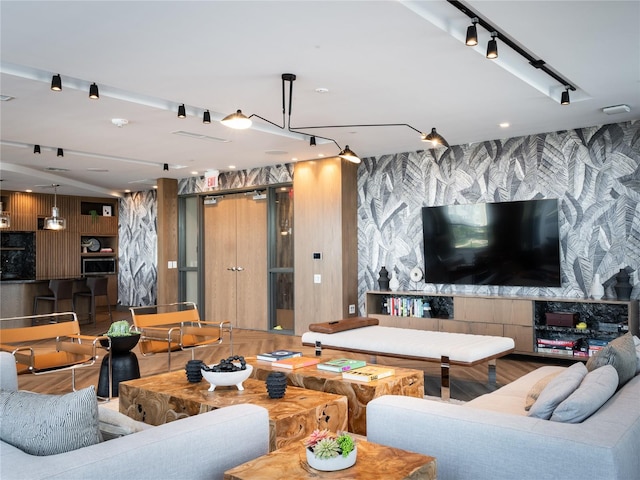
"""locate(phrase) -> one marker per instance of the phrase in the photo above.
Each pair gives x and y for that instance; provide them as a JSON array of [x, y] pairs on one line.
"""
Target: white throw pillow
[[557, 391], [596, 388], [41, 424]]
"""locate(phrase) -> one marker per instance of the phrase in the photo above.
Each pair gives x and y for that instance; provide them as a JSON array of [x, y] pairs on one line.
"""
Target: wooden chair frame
[[176, 326], [32, 348]]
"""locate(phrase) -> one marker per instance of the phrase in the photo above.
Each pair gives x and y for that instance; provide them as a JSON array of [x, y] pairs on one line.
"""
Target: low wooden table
[[374, 462], [407, 382], [159, 399]]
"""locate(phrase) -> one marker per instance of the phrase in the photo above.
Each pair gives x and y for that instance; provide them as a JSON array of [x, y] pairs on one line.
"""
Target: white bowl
[[226, 379]]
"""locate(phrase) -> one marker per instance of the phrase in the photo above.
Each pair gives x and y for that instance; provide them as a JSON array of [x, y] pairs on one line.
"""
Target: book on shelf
[[341, 365], [296, 362], [557, 342], [278, 355], [368, 373], [556, 351]]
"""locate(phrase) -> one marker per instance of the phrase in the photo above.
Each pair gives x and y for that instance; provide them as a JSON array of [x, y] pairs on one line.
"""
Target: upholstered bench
[[444, 347]]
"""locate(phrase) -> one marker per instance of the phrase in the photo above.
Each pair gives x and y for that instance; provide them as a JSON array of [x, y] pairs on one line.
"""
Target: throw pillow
[[534, 393], [621, 353], [342, 325], [557, 391], [115, 424], [40, 424], [596, 388]]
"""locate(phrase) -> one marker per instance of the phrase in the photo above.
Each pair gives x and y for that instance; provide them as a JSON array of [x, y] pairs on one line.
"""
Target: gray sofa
[[198, 447], [492, 438]]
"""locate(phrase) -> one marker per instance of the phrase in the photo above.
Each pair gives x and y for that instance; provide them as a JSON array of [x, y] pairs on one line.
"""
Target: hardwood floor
[[466, 382]]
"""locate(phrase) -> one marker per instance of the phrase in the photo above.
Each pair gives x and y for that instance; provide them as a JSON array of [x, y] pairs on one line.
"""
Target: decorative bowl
[[226, 379], [332, 464]]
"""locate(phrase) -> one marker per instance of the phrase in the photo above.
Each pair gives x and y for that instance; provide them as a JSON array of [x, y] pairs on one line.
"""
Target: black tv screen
[[510, 244]]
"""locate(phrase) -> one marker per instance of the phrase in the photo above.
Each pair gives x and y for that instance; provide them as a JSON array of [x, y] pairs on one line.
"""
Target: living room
[[590, 167]]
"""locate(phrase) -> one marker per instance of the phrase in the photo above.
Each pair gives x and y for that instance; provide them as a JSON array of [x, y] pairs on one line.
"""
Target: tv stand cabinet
[[521, 318]]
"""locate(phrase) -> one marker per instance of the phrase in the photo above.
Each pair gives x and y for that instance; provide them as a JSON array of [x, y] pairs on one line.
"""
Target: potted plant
[[329, 451], [123, 339]]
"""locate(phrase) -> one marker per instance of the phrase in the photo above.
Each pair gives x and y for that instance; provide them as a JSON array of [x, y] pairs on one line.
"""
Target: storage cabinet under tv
[[521, 318]]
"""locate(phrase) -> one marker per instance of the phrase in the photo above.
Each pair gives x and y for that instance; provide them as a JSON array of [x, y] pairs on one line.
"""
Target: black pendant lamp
[[206, 117], [472, 34], [492, 47], [56, 83], [93, 92]]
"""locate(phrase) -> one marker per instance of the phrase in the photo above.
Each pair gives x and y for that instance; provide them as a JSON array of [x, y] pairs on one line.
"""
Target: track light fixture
[[564, 99], [93, 92], [472, 33], [60, 153], [165, 167], [56, 83], [36, 149], [182, 112], [55, 222], [206, 117], [239, 120], [492, 47]]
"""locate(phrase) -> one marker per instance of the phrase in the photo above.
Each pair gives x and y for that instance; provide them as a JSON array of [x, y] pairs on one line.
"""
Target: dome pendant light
[[349, 155], [237, 120], [93, 92], [5, 219], [55, 222], [492, 47]]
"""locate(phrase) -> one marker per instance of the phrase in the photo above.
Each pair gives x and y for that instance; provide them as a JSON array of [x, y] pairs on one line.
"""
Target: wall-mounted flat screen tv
[[509, 243]]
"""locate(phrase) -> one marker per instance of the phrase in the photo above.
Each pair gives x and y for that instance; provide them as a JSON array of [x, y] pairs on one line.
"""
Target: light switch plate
[[317, 278]]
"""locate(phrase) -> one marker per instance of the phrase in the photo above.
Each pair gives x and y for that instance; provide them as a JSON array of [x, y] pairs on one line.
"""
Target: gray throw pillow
[[537, 388], [621, 353], [557, 391], [596, 388], [636, 341], [40, 424]]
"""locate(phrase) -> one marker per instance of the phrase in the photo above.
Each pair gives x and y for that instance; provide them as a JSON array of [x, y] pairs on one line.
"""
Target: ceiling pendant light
[[60, 153], [472, 33], [492, 47], [182, 112], [56, 83], [36, 149], [312, 141], [206, 117], [5, 219], [435, 138], [236, 120], [564, 100], [349, 155], [93, 92], [55, 222]]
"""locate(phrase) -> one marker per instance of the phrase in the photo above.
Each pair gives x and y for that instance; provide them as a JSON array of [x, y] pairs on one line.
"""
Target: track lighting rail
[[533, 61]]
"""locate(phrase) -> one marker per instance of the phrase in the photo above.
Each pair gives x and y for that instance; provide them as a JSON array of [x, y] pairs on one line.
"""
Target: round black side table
[[124, 364]]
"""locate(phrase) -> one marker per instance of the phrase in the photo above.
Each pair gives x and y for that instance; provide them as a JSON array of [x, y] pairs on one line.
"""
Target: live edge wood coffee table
[[407, 382], [159, 399], [374, 462]]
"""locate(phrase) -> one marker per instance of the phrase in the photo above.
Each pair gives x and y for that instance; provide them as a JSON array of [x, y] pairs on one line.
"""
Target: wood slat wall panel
[[57, 254]]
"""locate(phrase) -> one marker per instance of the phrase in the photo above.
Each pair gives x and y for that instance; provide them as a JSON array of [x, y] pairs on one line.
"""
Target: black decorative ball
[[276, 384]]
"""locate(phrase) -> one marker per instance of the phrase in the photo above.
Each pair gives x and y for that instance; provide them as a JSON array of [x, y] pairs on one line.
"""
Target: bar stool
[[61, 290], [98, 287]]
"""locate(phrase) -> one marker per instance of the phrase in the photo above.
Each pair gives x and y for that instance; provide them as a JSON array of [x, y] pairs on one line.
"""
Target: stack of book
[[341, 365], [556, 346], [296, 362], [595, 345], [368, 373], [277, 355]]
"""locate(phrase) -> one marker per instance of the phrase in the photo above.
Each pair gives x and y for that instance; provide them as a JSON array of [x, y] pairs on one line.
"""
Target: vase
[[276, 384], [597, 290], [394, 283], [623, 287], [332, 464], [383, 278], [194, 371]]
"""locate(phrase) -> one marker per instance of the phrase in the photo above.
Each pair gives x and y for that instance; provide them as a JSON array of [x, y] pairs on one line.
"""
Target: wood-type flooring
[[466, 382]]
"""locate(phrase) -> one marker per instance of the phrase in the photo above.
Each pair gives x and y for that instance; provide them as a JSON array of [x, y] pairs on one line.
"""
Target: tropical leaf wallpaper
[[593, 172]]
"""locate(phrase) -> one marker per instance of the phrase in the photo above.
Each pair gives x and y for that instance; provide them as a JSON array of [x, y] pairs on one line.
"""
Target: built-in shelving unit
[[521, 318]]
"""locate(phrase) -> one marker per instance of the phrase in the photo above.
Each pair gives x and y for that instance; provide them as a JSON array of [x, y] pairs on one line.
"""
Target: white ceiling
[[381, 61]]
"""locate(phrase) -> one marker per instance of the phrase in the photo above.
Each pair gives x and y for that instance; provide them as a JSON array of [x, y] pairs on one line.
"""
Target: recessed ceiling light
[[119, 122], [320, 155], [127, 191], [322, 90], [294, 159], [6, 98], [56, 169], [97, 170], [194, 173], [504, 125], [28, 190], [232, 167]]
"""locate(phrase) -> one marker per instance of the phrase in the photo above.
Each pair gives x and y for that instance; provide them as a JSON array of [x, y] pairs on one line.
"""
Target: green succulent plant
[[327, 448], [346, 444], [120, 328]]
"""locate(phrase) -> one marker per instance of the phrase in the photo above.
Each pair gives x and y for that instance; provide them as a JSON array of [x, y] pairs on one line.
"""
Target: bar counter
[[16, 295]]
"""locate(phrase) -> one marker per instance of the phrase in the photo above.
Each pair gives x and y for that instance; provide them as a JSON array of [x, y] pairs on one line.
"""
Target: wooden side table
[[374, 462]]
